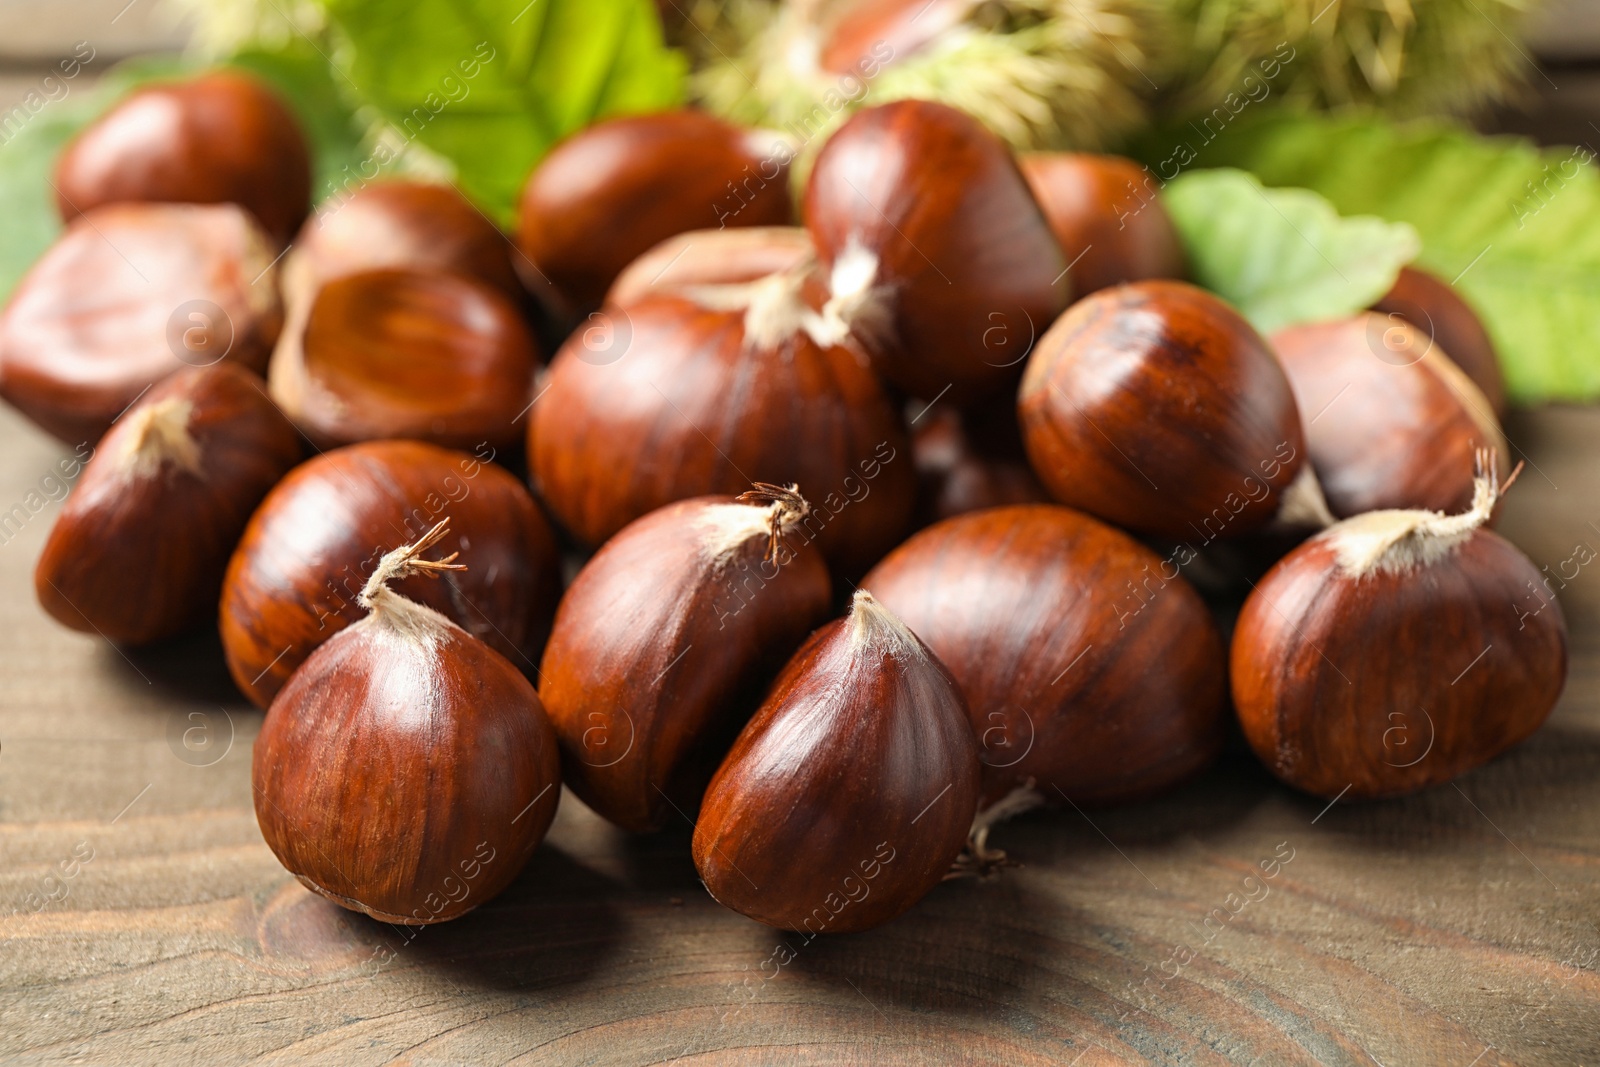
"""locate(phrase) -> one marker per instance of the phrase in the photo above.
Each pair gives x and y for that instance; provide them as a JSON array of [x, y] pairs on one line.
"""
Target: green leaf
[[1283, 256], [1515, 227], [491, 85]]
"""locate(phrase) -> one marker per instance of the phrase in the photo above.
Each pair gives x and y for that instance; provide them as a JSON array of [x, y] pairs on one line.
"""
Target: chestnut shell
[[399, 223], [1089, 665], [659, 654], [129, 294], [399, 352], [1156, 406], [688, 408], [1432, 305], [139, 548], [968, 267], [293, 581], [605, 195], [408, 779], [711, 257], [1393, 682], [1106, 214], [857, 775], [222, 137], [1391, 422]]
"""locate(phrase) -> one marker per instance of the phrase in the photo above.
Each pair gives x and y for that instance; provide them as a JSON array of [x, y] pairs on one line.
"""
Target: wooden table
[[1457, 928]]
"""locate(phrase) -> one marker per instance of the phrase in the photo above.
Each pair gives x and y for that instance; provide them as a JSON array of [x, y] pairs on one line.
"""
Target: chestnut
[[715, 387], [138, 551], [1156, 406], [936, 252], [1391, 421], [970, 460], [129, 294], [665, 643], [407, 770], [712, 257], [1088, 663], [607, 194], [401, 352], [222, 137], [850, 793], [862, 36], [398, 223], [315, 539], [1107, 215], [1397, 650], [1435, 307]]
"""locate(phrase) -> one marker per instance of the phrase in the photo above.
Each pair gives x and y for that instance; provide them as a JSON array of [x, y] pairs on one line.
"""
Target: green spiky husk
[[1406, 57], [1041, 73], [1084, 74]]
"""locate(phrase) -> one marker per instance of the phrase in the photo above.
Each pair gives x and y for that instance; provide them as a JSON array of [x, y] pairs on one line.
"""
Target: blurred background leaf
[[491, 85], [1283, 256], [1517, 228]]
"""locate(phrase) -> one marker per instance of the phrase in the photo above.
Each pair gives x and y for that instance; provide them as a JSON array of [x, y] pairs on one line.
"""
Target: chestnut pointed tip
[[872, 625]]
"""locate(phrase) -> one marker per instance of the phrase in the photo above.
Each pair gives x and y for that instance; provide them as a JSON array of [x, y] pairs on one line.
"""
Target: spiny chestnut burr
[[1397, 650], [401, 352], [937, 253], [606, 195], [1156, 406], [1106, 214], [970, 459], [1434, 307], [407, 770], [711, 257], [223, 137], [1391, 421], [129, 294], [294, 580], [703, 390], [666, 642], [1090, 667], [398, 224], [851, 792], [138, 551]]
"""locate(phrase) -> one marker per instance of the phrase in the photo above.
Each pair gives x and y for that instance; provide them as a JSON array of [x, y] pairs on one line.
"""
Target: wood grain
[[1455, 928]]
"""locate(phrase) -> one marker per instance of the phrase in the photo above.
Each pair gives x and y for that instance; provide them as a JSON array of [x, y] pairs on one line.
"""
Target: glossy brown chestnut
[[1157, 407], [399, 352], [223, 137], [1092, 670], [398, 224], [128, 295], [712, 388], [936, 251], [1395, 651], [407, 770], [294, 579], [1107, 215], [666, 643], [711, 257], [1433, 306], [849, 795], [885, 31], [606, 195], [138, 551], [1391, 421], [970, 460]]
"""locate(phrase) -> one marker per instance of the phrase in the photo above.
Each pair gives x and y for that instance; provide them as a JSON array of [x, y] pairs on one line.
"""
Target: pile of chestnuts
[[845, 521]]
